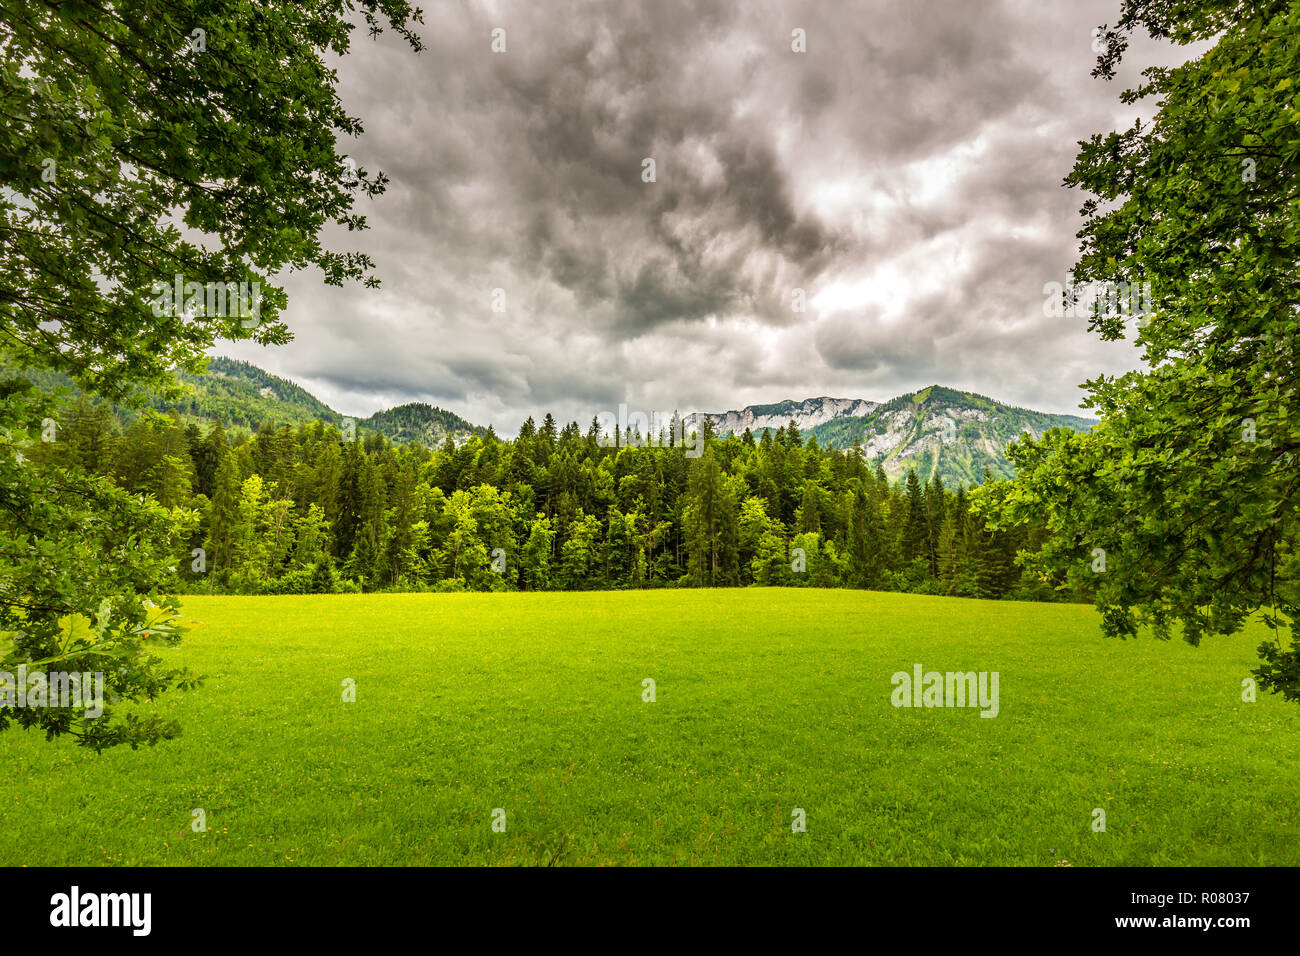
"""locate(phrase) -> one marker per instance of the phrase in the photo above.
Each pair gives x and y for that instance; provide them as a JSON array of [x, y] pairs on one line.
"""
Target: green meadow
[[766, 700]]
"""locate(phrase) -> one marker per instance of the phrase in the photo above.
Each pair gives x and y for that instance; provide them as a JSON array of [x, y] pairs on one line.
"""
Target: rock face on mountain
[[960, 435], [807, 414]]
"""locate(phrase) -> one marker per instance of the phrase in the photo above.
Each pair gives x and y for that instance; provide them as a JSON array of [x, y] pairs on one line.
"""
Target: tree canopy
[[147, 146], [153, 139], [1179, 508]]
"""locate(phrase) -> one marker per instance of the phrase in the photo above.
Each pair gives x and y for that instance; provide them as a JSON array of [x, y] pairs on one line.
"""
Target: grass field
[[766, 700]]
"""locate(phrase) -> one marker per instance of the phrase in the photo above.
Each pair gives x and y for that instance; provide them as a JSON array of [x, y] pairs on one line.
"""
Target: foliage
[[120, 125], [150, 148], [1188, 488], [82, 559]]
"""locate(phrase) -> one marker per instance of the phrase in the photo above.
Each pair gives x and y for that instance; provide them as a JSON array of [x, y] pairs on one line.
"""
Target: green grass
[[767, 700]]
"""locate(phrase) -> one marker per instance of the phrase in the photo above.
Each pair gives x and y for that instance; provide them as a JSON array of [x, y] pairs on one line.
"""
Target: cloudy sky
[[904, 172]]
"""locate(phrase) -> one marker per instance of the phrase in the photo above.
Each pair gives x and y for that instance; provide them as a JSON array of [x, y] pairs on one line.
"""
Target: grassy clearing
[[767, 700]]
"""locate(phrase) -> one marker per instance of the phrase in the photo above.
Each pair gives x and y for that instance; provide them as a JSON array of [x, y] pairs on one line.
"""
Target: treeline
[[302, 510]]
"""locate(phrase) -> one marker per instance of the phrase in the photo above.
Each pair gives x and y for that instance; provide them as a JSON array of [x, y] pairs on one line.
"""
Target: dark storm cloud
[[904, 172]]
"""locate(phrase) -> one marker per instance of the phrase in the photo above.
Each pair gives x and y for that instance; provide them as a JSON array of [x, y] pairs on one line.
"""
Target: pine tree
[[809, 516], [88, 435], [400, 564], [370, 534], [913, 543], [223, 517], [711, 524], [214, 447], [934, 519], [546, 436]]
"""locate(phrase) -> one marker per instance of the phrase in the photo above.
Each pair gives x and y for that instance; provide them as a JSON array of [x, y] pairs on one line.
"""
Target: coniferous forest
[[303, 509]]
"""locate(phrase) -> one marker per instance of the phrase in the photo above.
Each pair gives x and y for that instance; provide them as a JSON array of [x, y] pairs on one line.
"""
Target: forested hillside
[[244, 397], [420, 423]]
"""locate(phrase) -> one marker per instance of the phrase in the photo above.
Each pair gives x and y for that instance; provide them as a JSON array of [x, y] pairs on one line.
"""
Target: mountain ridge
[[956, 434]]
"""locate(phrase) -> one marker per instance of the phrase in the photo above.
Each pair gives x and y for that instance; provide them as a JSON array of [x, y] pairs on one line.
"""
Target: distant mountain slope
[[261, 396], [959, 434], [256, 395], [421, 423], [244, 396]]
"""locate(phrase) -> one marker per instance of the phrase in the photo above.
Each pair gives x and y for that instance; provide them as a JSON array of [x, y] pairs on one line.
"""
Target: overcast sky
[[905, 172]]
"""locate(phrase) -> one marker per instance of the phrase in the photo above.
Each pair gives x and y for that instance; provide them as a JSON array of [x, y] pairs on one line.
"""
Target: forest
[[302, 509]]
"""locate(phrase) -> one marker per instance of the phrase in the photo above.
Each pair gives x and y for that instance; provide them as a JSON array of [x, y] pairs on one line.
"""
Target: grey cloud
[[522, 171]]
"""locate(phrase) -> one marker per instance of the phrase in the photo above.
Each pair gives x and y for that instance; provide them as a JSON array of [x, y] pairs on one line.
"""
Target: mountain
[[244, 396], [959, 434], [248, 395]]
